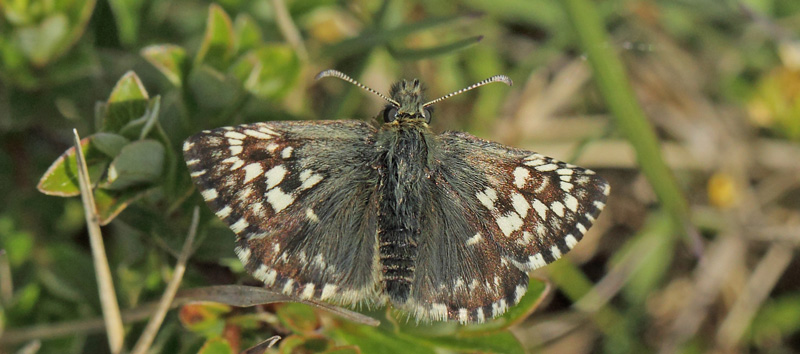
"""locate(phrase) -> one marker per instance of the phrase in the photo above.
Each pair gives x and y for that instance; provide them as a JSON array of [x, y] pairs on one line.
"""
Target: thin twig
[[235, 295], [144, 342], [289, 30], [108, 297], [63, 329]]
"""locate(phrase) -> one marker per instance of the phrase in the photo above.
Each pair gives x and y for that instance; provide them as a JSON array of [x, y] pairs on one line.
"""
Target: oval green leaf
[[61, 179], [377, 340], [111, 203], [169, 59], [501, 342], [216, 346], [41, 43], [268, 72], [299, 318], [108, 143], [128, 88], [248, 35], [211, 88], [138, 163], [218, 43]]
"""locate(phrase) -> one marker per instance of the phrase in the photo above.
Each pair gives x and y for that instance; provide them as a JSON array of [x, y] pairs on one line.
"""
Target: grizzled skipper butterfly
[[443, 226]]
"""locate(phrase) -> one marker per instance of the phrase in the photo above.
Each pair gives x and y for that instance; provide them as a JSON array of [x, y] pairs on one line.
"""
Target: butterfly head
[[406, 101], [409, 103]]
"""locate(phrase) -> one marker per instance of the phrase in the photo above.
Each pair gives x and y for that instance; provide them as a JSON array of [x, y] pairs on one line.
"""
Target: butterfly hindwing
[[458, 275], [300, 198], [496, 213]]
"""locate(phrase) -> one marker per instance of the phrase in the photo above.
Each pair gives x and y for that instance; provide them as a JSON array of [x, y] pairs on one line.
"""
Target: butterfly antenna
[[497, 78], [339, 74]]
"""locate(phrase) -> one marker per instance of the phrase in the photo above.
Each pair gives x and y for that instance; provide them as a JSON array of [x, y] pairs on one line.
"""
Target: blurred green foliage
[[93, 65]]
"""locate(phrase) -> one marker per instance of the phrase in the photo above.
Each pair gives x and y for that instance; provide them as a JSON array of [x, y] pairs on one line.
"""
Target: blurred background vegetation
[[691, 109]]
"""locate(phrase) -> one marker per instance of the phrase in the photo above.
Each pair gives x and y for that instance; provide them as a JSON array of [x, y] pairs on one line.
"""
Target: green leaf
[[111, 203], [211, 88], [247, 320], [108, 143], [169, 59], [140, 128], [269, 72], [299, 318], [128, 88], [205, 318], [119, 114], [138, 163], [41, 43], [500, 342], [216, 346], [304, 344], [25, 300], [17, 244], [778, 318], [376, 340], [218, 43], [61, 179], [127, 14], [128, 101], [343, 350], [248, 35]]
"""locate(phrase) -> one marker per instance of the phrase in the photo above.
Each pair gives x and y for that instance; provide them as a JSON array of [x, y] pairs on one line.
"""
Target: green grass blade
[[613, 84]]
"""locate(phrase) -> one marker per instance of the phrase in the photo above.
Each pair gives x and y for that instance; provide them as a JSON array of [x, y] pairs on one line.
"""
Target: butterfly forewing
[[300, 198], [536, 207]]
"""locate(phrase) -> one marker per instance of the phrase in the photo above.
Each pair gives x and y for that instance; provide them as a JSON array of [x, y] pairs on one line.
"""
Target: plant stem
[[108, 297], [149, 333], [613, 84]]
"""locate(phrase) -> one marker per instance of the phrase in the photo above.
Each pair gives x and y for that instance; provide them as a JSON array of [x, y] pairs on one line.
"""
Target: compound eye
[[389, 114], [427, 112]]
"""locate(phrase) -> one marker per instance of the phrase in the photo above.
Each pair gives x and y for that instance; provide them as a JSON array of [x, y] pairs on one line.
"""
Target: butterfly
[[442, 226]]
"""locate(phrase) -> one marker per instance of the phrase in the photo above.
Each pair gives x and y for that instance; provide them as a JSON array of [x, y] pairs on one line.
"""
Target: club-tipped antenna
[[339, 74], [497, 78]]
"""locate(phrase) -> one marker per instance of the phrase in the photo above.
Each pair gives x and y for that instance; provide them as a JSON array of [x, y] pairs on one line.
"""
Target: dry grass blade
[[31, 348], [6, 283], [760, 284], [244, 296], [108, 297], [709, 278], [169, 294], [620, 273]]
